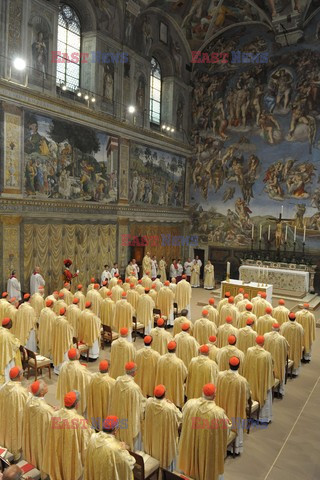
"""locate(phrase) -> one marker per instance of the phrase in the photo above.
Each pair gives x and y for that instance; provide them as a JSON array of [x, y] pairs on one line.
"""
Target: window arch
[[155, 92], [69, 42]]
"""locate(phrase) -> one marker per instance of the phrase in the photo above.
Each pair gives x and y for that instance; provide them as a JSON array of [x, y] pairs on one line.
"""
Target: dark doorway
[[200, 253]]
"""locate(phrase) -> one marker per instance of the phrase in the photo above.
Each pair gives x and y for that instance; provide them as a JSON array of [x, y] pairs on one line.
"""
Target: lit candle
[[282, 211], [260, 235], [228, 268], [252, 233], [295, 234], [286, 234], [269, 233], [304, 234]]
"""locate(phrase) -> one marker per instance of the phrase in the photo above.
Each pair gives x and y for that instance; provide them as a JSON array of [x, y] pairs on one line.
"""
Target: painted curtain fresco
[[157, 177], [256, 141], [65, 160]]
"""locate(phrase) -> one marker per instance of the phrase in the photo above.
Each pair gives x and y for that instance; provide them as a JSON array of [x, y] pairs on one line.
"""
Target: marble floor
[[289, 448]]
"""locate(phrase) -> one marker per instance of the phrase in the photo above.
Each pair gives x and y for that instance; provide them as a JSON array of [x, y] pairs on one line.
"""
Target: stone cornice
[[70, 110]]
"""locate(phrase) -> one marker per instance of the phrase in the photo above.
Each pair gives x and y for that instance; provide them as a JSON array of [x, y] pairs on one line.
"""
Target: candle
[[252, 233], [260, 235], [269, 233], [282, 211], [304, 234], [295, 234], [286, 234], [228, 268]]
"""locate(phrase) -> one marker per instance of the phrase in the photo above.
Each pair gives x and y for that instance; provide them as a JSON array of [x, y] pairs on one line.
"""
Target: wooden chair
[[108, 335], [276, 387], [24, 357], [36, 364], [136, 327], [156, 315], [145, 466], [253, 407], [289, 368], [175, 310], [82, 347], [174, 476]]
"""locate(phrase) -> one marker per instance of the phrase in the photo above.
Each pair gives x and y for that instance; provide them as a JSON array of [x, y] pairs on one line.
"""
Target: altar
[[291, 281], [251, 288]]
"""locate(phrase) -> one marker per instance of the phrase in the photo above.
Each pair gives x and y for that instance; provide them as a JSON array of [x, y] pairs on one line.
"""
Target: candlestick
[[252, 232], [228, 271], [260, 234], [286, 234], [295, 234], [269, 233], [304, 234]]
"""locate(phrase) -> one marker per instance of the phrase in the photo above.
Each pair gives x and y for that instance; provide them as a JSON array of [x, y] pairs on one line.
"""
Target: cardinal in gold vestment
[[246, 336], [95, 298], [147, 365], [160, 337], [213, 349], [244, 316], [204, 437], [230, 350], [179, 321], [308, 323], [99, 396], [187, 346], [260, 305], [62, 340], [294, 334], [13, 397], [145, 311], [202, 370], [80, 295], [162, 420], [241, 306], [73, 313], [74, 376], [278, 346], [128, 403], [36, 423], [68, 296], [91, 332], [224, 331], [107, 458], [24, 326], [107, 311], [116, 292], [67, 441], [46, 322], [183, 294], [172, 373], [229, 310], [123, 314], [165, 301], [281, 313], [9, 350], [264, 323], [122, 351], [213, 313], [60, 303], [133, 296], [203, 328], [37, 303], [146, 265]]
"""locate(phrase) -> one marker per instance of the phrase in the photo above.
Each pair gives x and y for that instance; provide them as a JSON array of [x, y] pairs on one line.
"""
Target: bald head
[[12, 473]]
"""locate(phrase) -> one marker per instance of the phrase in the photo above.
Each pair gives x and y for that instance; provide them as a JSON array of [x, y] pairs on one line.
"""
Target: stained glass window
[[155, 92], [69, 48]]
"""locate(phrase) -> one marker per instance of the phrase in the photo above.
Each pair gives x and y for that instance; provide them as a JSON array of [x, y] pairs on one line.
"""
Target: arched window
[[69, 47], [155, 92]]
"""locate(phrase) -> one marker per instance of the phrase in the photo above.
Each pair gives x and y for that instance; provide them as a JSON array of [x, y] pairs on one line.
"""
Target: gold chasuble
[[9, 350], [177, 325], [91, 330], [202, 370], [203, 328], [233, 392], [82, 299], [24, 322], [183, 294], [95, 298], [99, 397], [116, 293], [246, 338], [162, 270], [13, 397], [123, 315], [62, 335], [107, 311], [147, 365], [58, 305], [106, 458], [229, 310], [36, 423], [165, 301], [224, 331], [308, 323], [264, 324], [224, 355], [128, 403], [133, 298], [146, 265], [244, 317], [122, 352], [145, 309], [72, 315], [161, 338], [278, 346], [281, 314], [294, 334], [258, 370], [187, 347], [66, 445], [37, 303], [74, 376], [68, 296], [213, 314], [172, 373], [203, 441], [160, 439], [46, 322]]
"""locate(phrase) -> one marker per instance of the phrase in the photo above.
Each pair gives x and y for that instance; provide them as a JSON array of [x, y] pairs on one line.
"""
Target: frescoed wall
[[256, 142], [64, 160], [157, 177]]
